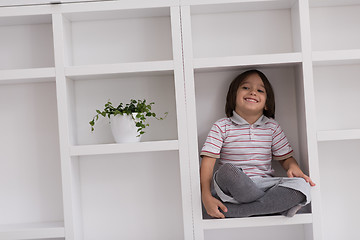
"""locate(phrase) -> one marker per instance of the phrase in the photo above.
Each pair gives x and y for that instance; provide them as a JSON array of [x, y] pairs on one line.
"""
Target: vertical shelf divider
[[310, 117], [191, 119], [71, 199], [184, 159]]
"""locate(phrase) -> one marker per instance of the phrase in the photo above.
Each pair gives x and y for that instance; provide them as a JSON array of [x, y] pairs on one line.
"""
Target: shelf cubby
[[91, 92], [30, 176], [117, 36], [336, 96], [286, 79], [286, 82], [223, 29], [28, 40], [332, 25], [338, 170], [113, 192]]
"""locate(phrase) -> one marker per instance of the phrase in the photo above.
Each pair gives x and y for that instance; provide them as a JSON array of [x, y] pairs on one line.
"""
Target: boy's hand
[[295, 171], [212, 206]]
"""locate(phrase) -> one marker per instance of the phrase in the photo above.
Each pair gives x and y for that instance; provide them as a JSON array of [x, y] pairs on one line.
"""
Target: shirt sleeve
[[214, 142], [280, 147]]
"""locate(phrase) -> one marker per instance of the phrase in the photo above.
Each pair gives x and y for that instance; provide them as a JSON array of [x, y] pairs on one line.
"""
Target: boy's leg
[[276, 200], [234, 182]]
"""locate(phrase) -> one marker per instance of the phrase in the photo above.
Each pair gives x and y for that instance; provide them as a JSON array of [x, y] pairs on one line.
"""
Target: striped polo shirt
[[249, 147]]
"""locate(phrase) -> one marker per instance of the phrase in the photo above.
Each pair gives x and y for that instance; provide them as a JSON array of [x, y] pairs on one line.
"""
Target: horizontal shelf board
[[27, 75], [335, 135], [82, 6], [256, 221], [119, 5], [80, 72], [82, 150], [211, 6], [25, 20], [266, 59], [330, 3], [32, 231], [31, 11], [6, 3], [336, 57]]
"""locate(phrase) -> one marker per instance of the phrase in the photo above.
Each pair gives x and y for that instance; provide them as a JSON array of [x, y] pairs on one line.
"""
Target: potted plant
[[127, 121]]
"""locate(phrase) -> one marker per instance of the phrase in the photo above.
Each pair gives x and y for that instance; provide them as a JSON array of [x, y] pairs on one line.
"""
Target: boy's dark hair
[[269, 110]]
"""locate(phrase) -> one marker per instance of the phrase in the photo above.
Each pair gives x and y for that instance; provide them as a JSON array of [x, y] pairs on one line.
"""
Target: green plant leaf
[[140, 107]]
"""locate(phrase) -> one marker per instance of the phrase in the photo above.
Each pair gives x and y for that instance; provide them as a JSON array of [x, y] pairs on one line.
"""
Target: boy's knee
[[228, 167]]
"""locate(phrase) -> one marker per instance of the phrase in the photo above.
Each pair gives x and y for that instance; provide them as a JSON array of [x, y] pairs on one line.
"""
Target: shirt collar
[[240, 121]]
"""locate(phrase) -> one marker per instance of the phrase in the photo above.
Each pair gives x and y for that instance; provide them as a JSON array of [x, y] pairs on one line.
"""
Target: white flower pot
[[124, 129]]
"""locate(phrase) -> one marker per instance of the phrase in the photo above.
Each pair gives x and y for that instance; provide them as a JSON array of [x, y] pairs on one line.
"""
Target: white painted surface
[[120, 53], [30, 176], [339, 162]]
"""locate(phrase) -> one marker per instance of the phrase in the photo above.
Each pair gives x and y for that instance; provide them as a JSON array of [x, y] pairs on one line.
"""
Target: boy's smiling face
[[251, 97]]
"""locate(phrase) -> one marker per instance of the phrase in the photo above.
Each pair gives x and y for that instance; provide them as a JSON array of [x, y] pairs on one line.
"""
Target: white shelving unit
[[336, 61], [61, 181]]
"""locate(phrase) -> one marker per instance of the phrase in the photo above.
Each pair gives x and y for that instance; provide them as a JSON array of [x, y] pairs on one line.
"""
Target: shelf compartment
[[26, 42], [332, 26], [88, 93], [104, 37], [336, 96], [33, 231], [269, 59], [114, 188], [339, 164], [220, 30], [338, 57], [256, 221], [140, 67], [335, 135], [27, 75], [286, 83], [30, 176], [124, 148]]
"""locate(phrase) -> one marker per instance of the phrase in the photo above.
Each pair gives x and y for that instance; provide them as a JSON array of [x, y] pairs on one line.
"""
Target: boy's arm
[[293, 170], [211, 204]]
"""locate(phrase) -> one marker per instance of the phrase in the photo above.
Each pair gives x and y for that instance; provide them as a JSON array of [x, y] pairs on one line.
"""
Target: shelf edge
[[266, 59], [336, 57], [32, 231], [337, 135], [25, 75], [82, 150], [88, 70], [256, 221]]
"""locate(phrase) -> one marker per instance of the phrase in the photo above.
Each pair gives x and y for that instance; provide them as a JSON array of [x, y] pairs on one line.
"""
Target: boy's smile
[[251, 97], [251, 100]]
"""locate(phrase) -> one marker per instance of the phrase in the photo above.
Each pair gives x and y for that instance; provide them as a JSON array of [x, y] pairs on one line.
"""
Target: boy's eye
[[261, 91], [245, 87]]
